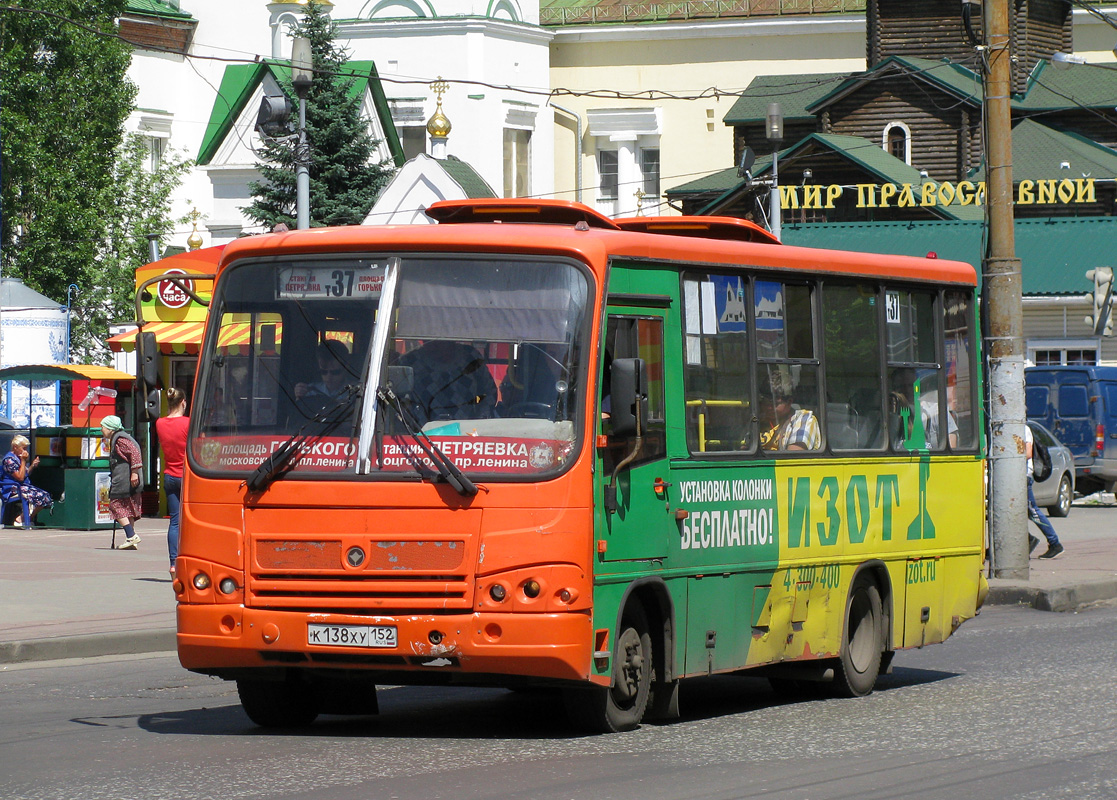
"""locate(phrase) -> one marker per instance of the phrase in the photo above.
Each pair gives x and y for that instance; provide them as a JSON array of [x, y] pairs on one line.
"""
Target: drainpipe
[[577, 150]]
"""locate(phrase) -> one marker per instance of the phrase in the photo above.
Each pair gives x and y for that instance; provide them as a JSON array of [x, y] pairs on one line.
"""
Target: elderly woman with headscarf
[[125, 484], [15, 480]]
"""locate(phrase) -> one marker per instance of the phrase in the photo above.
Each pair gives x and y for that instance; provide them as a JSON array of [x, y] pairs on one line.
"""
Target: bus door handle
[[661, 486]]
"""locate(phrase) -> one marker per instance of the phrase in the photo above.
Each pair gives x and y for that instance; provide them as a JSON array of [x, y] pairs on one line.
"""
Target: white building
[[493, 56]]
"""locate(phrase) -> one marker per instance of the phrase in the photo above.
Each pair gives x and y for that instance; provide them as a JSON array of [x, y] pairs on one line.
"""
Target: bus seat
[[870, 426], [841, 426], [450, 381]]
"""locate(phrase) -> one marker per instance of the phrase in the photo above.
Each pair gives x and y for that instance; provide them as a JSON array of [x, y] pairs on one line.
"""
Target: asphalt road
[[1019, 704]]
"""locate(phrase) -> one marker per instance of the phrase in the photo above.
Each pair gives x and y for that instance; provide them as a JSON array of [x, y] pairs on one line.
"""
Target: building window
[[897, 141], [607, 170], [413, 139], [155, 148], [649, 168], [517, 163], [1058, 353]]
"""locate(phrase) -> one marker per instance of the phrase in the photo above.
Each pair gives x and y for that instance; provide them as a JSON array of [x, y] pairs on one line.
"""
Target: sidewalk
[[66, 594]]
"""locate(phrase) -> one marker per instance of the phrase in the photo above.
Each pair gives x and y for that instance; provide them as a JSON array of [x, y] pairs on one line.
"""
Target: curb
[[90, 646], [1062, 598]]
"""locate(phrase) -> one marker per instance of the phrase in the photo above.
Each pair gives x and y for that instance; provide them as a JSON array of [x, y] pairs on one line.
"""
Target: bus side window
[[638, 337], [852, 362], [788, 407], [717, 375]]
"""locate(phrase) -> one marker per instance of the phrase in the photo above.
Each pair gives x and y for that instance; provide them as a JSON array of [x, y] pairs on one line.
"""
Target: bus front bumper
[[226, 638]]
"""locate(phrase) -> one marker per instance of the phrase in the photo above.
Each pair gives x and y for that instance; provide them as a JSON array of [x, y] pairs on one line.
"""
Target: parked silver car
[[1056, 491]]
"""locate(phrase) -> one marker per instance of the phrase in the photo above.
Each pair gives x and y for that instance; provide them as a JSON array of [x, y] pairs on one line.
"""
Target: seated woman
[[15, 481]]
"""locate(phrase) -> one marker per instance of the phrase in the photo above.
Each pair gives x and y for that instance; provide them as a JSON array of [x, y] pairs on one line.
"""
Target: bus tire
[[277, 704], [620, 707], [862, 641]]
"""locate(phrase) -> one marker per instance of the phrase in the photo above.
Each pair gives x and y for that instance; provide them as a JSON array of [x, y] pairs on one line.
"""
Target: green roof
[[156, 8], [1050, 249], [715, 182], [866, 154], [1039, 152], [466, 177], [795, 93], [596, 12], [1080, 85], [952, 78], [239, 83]]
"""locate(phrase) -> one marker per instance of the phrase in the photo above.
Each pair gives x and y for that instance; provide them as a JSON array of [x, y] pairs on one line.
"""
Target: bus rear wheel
[[862, 642], [287, 703], [619, 707]]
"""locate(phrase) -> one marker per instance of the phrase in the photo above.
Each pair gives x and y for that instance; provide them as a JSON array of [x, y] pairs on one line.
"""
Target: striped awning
[[63, 372], [174, 338]]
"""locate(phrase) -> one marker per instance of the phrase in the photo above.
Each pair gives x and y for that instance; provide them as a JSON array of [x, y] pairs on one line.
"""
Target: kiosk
[[70, 458]]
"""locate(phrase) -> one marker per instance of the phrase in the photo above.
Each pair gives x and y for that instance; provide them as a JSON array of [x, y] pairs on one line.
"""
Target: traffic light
[[1101, 319]]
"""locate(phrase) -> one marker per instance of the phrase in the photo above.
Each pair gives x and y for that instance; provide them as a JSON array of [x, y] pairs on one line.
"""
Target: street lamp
[[302, 76], [1065, 60], [73, 287], [774, 132]]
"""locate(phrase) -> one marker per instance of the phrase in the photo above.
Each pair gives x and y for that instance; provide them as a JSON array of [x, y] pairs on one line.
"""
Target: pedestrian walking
[[172, 431], [125, 485], [1054, 547]]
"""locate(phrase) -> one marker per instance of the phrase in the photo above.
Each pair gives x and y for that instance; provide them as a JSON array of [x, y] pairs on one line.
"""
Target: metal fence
[[692, 9]]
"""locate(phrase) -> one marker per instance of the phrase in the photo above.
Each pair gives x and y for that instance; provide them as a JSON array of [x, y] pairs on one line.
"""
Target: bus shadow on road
[[720, 696], [408, 712]]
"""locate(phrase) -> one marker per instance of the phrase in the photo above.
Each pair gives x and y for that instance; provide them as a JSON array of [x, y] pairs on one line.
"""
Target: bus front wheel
[[621, 706], [862, 642], [286, 703]]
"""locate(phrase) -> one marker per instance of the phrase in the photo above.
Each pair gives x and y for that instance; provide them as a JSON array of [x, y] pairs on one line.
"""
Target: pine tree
[[345, 176]]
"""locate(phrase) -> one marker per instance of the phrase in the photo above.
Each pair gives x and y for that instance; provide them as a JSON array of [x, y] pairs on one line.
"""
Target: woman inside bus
[[15, 481]]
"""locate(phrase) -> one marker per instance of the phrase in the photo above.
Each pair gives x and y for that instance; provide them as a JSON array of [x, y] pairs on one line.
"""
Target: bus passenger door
[[637, 529]]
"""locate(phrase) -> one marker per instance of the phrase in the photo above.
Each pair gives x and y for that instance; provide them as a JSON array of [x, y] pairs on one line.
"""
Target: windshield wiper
[[284, 458], [447, 469]]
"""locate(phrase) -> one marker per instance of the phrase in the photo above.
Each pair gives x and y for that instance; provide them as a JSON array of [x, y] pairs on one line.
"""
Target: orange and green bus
[[530, 445]]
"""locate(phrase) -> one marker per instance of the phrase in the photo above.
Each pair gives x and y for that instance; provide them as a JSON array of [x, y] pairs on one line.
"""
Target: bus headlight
[[531, 589], [497, 592], [227, 585], [201, 581]]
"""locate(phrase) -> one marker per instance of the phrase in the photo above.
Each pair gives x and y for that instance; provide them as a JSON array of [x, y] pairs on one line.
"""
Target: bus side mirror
[[402, 380], [151, 404], [147, 359], [629, 397]]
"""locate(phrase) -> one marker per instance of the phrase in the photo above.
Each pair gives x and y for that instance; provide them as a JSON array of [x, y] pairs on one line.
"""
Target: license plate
[[351, 635]]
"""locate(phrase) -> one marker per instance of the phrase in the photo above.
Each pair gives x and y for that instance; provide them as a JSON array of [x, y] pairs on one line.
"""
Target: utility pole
[[302, 76], [1003, 313]]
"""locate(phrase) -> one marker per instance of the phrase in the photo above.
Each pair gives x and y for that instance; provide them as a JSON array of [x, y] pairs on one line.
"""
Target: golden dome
[[438, 125]]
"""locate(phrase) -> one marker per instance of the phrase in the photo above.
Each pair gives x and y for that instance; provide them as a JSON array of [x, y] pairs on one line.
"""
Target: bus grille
[[356, 573]]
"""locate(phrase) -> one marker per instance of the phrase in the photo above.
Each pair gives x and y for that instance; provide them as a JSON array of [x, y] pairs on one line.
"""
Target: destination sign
[[330, 282]]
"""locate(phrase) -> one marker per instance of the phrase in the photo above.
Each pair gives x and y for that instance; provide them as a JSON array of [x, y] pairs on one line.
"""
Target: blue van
[[1079, 405]]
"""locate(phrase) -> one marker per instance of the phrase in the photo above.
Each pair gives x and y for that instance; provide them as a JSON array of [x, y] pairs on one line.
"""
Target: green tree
[[345, 175], [65, 98], [143, 195], [78, 196]]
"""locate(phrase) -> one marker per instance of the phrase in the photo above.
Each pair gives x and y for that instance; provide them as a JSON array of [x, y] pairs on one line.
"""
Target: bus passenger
[[336, 374], [782, 426]]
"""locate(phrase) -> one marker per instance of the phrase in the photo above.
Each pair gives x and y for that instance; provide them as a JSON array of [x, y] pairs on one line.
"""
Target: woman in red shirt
[[172, 437]]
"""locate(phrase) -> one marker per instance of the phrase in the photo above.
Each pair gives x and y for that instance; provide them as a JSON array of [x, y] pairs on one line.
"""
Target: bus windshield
[[484, 358]]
